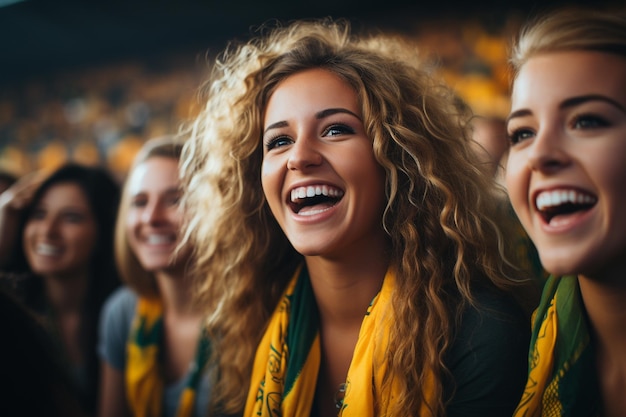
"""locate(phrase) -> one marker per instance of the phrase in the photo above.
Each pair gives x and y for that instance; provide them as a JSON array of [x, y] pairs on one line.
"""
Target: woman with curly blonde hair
[[350, 254]]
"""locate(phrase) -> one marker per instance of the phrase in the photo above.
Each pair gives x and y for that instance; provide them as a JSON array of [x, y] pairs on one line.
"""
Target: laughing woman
[[566, 174], [56, 251], [152, 348], [351, 260]]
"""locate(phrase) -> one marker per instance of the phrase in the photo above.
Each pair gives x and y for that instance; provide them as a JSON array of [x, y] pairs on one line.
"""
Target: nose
[[153, 213], [304, 153], [547, 152], [49, 226]]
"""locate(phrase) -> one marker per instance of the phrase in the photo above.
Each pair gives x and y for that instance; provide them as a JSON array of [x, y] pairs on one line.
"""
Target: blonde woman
[[566, 173], [350, 255], [152, 349]]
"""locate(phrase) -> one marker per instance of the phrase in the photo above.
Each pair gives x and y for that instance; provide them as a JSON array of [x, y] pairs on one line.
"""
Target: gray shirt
[[115, 323]]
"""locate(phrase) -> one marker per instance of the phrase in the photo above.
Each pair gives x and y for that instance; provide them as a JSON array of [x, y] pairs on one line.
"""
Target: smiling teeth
[[159, 239], [313, 191], [557, 197], [47, 250]]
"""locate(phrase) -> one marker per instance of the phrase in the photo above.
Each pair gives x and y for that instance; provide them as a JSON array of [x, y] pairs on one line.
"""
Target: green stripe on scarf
[[144, 376], [562, 374], [303, 328], [288, 357], [146, 335]]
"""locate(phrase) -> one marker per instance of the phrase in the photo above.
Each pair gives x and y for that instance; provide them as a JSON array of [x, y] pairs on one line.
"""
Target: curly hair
[[441, 216]]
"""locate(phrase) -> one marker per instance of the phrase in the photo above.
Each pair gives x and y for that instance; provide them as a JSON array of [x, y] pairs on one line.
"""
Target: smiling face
[[319, 174], [154, 217], [60, 234], [567, 167]]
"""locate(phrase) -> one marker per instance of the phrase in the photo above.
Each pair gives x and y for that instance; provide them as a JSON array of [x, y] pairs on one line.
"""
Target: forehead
[[557, 75], [311, 89], [157, 173], [64, 194]]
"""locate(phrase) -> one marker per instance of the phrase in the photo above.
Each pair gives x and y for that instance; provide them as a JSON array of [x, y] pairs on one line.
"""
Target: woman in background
[[565, 174], [56, 240], [151, 345]]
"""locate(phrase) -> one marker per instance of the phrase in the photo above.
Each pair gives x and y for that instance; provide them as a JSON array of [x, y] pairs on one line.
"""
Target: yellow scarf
[[287, 361], [561, 371], [144, 381]]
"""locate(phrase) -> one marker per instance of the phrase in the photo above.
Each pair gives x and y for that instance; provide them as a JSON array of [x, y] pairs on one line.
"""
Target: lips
[[313, 199], [562, 202]]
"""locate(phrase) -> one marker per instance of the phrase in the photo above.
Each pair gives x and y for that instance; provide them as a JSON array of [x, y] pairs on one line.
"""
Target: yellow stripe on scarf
[[144, 378], [144, 384], [541, 364], [363, 396], [561, 368]]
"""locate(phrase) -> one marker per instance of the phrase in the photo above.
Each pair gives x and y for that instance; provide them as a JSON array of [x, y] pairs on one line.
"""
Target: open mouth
[[556, 203], [160, 239], [314, 199], [47, 249]]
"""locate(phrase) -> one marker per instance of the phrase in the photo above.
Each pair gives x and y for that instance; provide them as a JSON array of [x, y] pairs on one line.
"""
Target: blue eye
[[335, 130], [520, 135], [589, 122], [277, 141]]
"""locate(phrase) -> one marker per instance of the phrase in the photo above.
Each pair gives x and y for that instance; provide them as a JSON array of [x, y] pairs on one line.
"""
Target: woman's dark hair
[[102, 193]]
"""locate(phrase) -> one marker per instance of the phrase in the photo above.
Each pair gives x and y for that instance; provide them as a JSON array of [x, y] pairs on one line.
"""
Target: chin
[[559, 267]]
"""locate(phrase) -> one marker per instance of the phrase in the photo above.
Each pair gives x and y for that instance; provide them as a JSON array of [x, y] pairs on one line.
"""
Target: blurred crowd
[[96, 116], [102, 115]]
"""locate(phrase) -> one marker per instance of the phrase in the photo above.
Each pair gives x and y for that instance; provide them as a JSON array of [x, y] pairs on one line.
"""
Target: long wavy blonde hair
[[133, 274], [441, 215]]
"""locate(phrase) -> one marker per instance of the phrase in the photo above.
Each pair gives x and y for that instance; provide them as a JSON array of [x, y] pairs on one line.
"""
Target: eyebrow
[[319, 115], [574, 101], [167, 191], [570, 102]]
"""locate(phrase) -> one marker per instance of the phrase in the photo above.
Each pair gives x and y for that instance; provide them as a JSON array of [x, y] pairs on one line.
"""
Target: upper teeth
[[159, 239], [314, 190], [46, 249], [558, 197]]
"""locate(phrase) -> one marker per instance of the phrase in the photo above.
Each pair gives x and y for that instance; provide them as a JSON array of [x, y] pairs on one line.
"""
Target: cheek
[[87, 239], [513, 175], [271, 182], [29, 230], [27, 235], [131, 224], [176, 216]]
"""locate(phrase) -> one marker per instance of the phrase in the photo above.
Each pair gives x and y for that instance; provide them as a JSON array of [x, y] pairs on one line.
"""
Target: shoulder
[[495, 323], [122, 301], [115, 322], [117, 314], [488, 357]]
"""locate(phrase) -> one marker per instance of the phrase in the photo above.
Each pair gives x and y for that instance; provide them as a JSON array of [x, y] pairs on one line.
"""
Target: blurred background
[[90, 81]]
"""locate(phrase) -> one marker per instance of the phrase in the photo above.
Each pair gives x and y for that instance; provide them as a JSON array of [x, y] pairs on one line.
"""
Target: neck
[[66, 294], [605, 304], [344, 288], [176, 293]]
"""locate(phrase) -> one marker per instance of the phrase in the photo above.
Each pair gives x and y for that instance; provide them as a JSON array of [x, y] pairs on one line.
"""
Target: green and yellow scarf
[[561, 371], [144, 380], [287, 361]]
